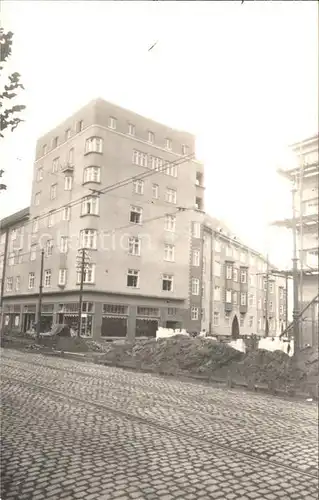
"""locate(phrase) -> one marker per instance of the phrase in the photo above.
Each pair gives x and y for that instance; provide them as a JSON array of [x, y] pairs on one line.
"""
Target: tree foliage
[[9, 113]]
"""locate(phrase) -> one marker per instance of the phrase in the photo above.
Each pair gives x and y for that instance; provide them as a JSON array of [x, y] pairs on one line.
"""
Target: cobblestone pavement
[[73, 430]]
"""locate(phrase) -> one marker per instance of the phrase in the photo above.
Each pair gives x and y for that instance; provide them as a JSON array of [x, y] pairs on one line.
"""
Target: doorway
[[235, 328]]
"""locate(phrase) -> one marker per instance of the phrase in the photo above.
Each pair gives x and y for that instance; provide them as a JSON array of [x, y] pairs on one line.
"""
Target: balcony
[[67, 168]]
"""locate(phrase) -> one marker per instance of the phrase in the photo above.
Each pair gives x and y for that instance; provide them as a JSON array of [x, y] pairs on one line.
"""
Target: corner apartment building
[[304, 179], [137, 232]]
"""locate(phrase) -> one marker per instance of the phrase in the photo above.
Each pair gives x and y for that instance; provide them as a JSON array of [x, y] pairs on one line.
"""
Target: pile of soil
[[175, 355]]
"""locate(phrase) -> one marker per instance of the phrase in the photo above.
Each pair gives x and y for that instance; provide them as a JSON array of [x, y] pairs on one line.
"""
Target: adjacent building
[[130, 192], [304, 180]]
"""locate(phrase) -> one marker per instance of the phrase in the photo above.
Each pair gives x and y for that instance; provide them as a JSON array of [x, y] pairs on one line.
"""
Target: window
[[259, 304], [235, 298], [170, 223], [243, 299], [3, 238], [281, 309], [64, 244], [51, 219], [271, 288], [66, 213], [79, 126], [67, 134], [167, 283], [44, 149], [88, 238], [235, 275], [242, 320], [216, 268], [133, 278], [55, 165], [68, 182], [229, 272], [112, 122], [228, 296], [169, 253], [92, 174], [195, 286], [217, 293], [251, 321], [242, 257], [94, 145], [259, 324], [194, 313], [14, 234], [31, 281], [40, 174], [155, 191], [88, 274], [37, 199], [243, 276], [271, 306], [19, 257], [9, 284], [150, 137], [134, 247], [138, 186], [217, 246], [265, 283], [229, 251], [131, 129], [136, 215], [252, 280], [170, 169], [235, 254], [155, 163], [90, 206], [139, 158], [49, 248], [281, 293], [251, 300], [47, 277], [196, 258], [71, 157], [227, 318], [185, 149], [168, 144], [170, 195], [216, 319], [62, 277], [196, 229], [53, 191], [17, 283], [33, 252], [55, 142]]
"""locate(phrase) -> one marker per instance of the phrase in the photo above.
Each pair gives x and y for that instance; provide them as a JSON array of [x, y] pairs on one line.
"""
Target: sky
[[242, 78]]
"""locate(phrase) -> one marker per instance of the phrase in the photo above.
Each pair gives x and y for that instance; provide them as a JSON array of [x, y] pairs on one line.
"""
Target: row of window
[[55, 141], [238, 255], [154, 163], [199, 314], [132, 279]]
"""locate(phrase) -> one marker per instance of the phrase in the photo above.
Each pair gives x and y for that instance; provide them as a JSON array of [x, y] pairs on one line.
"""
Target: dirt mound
[[177, 354]]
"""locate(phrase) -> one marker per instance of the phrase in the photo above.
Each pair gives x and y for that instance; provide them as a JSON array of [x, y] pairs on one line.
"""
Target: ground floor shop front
[[103, 316]]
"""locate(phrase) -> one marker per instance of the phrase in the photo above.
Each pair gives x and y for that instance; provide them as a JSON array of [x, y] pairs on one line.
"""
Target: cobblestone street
[[74, 430]]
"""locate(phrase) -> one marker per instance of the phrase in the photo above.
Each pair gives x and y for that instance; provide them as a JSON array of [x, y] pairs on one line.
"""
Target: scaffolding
[[304, 224]]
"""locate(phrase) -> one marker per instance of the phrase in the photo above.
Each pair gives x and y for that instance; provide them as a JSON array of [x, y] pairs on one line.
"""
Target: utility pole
[[81, 290], [40, 296], [286, 300], [295, 314], [267, 297]]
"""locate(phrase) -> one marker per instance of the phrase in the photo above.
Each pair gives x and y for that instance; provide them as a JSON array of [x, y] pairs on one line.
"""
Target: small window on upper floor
[[40, 174], [94, 145], [185, 149], [44, 149], [55, 142], [79, 126], [112, 122], [168, 144], [68, 181], [67, 134], [37, 198], [150, 137], [131, 129]]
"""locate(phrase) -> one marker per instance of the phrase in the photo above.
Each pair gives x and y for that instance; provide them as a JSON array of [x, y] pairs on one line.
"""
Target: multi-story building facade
[[136, 230], [232, 292], [130, 192], [304, 179]]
